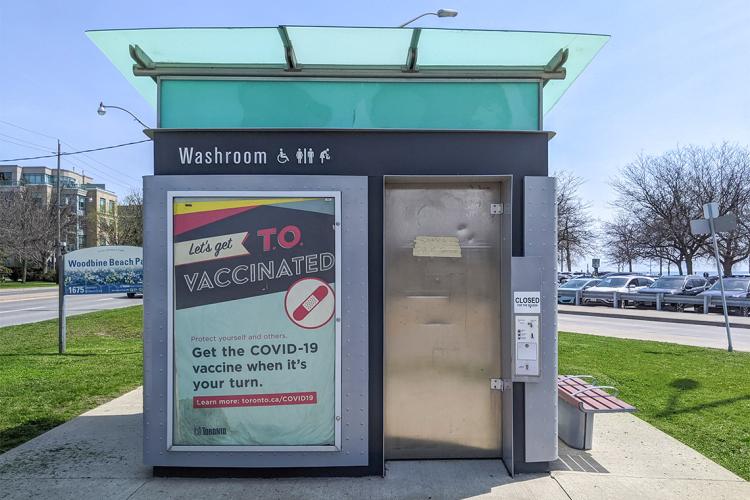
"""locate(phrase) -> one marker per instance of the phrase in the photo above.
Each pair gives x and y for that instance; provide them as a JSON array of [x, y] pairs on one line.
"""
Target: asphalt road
[[664, 331], [37, 304]]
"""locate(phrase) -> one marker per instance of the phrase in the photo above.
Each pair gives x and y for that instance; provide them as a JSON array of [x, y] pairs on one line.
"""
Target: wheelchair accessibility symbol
[[282, 157]]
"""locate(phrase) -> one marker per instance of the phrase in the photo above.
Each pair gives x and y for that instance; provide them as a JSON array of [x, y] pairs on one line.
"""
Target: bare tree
[[28, 228], [130, 220], [657, 191], [575, 233], [656, 245], [106, 229], [664, 193], [623, 241], [724, 177]]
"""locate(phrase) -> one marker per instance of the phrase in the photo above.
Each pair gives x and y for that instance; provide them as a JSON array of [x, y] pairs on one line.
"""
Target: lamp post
[[439, 13], [103, 111]]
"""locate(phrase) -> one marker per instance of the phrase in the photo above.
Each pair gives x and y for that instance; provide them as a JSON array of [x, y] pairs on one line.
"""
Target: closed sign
[[527, 302]]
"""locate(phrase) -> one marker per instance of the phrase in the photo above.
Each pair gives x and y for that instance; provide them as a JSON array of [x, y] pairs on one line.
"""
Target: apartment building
[[93, 205]]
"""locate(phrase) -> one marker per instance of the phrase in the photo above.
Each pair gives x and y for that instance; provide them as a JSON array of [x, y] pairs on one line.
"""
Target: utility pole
[[60, 260]]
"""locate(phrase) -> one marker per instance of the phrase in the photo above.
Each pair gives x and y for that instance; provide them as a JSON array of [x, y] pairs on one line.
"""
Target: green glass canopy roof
[[556, 59]]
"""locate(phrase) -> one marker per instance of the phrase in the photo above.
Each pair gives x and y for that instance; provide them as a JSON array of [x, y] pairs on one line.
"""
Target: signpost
[[105, 269], [94, 270], [595, 264], [711, 225]]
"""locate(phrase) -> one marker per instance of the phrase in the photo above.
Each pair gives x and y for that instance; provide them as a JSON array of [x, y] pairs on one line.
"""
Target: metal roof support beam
[[145, 66], [555, 65], [140, 57], [142, 60], [349, 72], [291, 59], [411, 55]]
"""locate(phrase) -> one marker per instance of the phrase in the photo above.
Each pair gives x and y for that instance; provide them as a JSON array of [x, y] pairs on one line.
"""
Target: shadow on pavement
[[98, 446], [14, 436]]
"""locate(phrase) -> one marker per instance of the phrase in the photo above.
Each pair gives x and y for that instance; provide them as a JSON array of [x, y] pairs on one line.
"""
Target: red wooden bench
[[579, 400]]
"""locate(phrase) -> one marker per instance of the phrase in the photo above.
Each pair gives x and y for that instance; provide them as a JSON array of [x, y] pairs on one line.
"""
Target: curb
[[14, 291], [656, 318]]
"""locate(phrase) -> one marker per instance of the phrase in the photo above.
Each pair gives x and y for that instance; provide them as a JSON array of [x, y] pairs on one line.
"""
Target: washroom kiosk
[[349, 245]]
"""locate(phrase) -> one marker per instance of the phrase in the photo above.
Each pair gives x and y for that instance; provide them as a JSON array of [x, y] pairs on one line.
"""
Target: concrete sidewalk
[[98, 455]]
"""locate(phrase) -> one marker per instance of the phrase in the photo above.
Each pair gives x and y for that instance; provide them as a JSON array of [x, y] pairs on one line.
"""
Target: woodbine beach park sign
[[105, 269]]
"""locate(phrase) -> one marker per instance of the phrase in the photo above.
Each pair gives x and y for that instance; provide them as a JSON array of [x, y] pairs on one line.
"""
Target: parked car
[[621, 284], [734, 287], [575, 285], [711, 280], [676, 285], [581, 275]]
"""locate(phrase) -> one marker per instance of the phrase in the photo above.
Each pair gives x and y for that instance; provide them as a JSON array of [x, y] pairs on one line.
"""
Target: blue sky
[[674, 72]]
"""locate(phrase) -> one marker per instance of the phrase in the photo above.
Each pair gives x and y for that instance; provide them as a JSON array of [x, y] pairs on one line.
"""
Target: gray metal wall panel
[[354, 329], [525, 276], [154, 323], [540, 240]]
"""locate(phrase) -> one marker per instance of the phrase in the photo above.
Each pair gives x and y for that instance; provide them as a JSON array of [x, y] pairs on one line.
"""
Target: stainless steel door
[[442, 321]]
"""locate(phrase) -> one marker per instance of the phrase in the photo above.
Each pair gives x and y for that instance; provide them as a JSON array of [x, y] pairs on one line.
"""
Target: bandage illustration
[[310, 303]]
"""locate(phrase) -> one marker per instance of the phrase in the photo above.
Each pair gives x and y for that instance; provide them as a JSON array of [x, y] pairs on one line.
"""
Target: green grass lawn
[[29, 284], [699, 396], [40, 389]]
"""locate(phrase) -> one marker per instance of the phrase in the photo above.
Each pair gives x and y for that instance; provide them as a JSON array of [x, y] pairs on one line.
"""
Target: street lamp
[[439, 13], [103, 111]]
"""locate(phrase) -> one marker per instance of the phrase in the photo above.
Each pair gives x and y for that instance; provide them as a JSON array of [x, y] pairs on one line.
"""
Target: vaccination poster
[[254, 328]]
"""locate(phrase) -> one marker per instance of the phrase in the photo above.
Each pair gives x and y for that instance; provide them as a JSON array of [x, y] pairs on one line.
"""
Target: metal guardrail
[[620, 299]]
